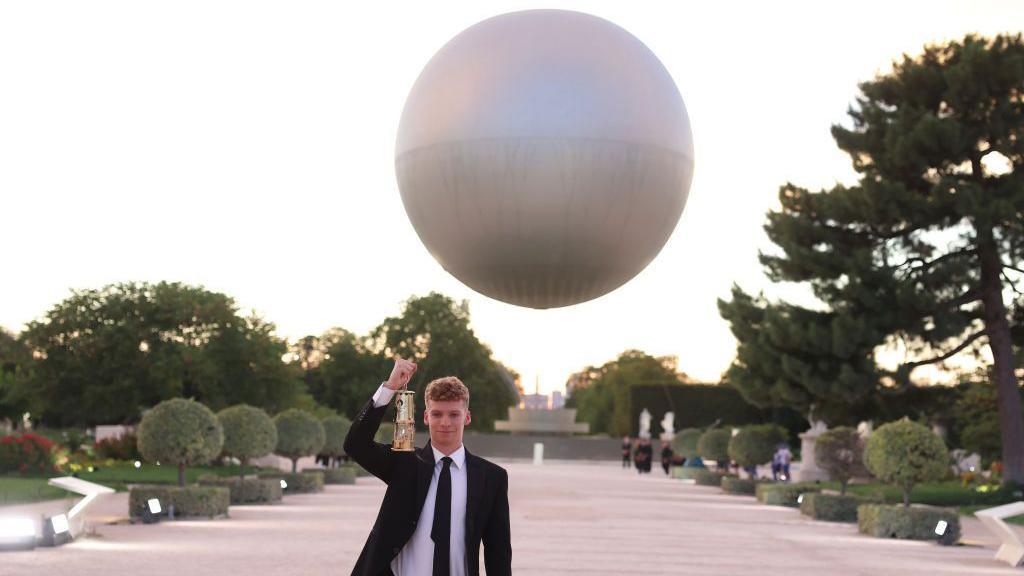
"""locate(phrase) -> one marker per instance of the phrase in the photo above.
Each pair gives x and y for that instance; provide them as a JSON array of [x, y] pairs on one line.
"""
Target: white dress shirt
[[417, 556]]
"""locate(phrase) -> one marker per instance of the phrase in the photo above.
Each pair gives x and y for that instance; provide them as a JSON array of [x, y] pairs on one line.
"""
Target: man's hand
[[400, 374]]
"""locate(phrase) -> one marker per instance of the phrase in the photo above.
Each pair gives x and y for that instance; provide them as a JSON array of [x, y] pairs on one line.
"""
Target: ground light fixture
[[800, 499], [56, 531], [151, 511], [940, 528], [284, 485], [17, 533]]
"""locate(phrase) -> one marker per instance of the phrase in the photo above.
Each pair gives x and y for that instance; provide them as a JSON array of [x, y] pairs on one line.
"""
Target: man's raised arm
[[359, 443]]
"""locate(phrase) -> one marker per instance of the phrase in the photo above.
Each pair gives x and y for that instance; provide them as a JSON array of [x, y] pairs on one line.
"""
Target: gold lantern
[[405, 421]]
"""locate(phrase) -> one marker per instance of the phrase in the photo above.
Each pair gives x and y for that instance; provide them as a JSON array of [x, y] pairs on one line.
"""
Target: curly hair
[[446, 389]]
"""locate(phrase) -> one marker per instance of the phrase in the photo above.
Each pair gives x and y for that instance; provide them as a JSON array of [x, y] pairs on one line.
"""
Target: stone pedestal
[[809, 470]]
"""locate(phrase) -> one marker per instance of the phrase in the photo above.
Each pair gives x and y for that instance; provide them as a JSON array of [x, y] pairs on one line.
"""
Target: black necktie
[[441, 530]]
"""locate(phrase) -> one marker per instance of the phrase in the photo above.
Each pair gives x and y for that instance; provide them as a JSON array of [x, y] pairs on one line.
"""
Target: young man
[[441, 501]]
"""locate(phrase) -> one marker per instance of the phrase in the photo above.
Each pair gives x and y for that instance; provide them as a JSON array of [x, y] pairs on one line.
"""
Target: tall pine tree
[[927, 248]]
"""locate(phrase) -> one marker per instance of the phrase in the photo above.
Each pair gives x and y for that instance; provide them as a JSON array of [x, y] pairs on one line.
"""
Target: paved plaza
[[567, 518]]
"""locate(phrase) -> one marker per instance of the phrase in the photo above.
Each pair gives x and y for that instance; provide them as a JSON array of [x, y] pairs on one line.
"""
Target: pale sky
[[249, 147]]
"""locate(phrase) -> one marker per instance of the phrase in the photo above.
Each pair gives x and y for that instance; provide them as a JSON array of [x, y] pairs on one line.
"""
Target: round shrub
[[714, 445], [905, 453], [335, 430], [180, 432], [840, 452], [248, 433], [755, 445], [684, 443], [27, 454], [299, 434]]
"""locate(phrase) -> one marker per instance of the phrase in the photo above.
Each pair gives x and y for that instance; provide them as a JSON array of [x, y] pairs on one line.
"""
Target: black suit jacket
[[408, 476]]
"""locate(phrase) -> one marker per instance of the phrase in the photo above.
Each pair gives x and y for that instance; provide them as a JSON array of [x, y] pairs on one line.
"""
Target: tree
[[906, 453], [15, 368], [685, 441], [840, 452], [105, 355], [180, 432], [434, 332], [755, 445], [248, 433], [349, 372], [299, 434], [922, 251], [972, 414], [820, 364], [335, 430], [714, 445], [602, 395]]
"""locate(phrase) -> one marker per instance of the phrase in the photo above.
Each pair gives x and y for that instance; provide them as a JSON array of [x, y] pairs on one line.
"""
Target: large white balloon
[[544, 157]]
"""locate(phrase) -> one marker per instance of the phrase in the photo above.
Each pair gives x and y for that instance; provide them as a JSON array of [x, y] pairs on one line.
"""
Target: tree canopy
[[923, 253]]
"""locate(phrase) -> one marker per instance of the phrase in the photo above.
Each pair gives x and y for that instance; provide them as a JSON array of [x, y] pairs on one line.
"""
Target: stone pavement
[[567, 518]]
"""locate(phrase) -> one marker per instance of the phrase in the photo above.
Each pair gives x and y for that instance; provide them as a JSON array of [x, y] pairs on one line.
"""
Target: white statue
[[668, 426], [645, 424]]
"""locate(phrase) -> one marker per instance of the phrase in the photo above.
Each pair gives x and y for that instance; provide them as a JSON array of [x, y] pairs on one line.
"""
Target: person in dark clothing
[[440, 493], [666, 457], [627, 452]]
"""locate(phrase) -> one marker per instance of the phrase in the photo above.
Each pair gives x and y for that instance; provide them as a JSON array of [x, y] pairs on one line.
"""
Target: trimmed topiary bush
[[684, 443], [705, 477], [755, 445], [906, 453], [335, 430], [831, 507], [908, 523], [714, 445], [180, 432], [840, 452], [342, 475], [304, 483], [739, 486], [188, 501], [299, 434], [246, 490], [783, 494], [248, 433]]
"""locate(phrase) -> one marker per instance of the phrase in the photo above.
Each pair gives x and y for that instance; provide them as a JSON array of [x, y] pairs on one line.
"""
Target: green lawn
[[949, 493], [17, 490]]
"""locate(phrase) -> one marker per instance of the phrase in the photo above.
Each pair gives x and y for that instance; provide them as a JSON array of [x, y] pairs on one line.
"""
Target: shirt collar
[[458, 457]]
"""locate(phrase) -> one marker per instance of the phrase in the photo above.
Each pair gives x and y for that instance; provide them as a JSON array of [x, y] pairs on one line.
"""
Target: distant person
[[666, 457], [436, 494], [643, 455], [627, 451], [780, 463]]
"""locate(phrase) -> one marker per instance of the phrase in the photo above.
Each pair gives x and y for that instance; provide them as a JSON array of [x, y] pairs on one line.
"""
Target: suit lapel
[[474, 490], [424, 472]]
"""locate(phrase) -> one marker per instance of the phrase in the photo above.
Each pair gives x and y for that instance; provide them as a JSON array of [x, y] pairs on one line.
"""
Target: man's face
[[446, 420]]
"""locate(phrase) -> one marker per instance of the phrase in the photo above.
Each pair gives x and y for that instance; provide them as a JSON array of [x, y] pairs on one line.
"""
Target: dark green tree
[[601, 396], [434, 332], [15, 367], [925, 248], [107, 354]]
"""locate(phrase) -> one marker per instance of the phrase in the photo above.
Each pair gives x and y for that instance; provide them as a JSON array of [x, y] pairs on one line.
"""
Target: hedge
[[248, 491], [739, 486], [913, 523], [298, 483], [783, 494], [832, 507], [343, 475], [705, 477], [188, 501]]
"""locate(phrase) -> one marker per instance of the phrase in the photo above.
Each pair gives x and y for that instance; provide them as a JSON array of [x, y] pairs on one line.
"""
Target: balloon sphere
[[544, 157]]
